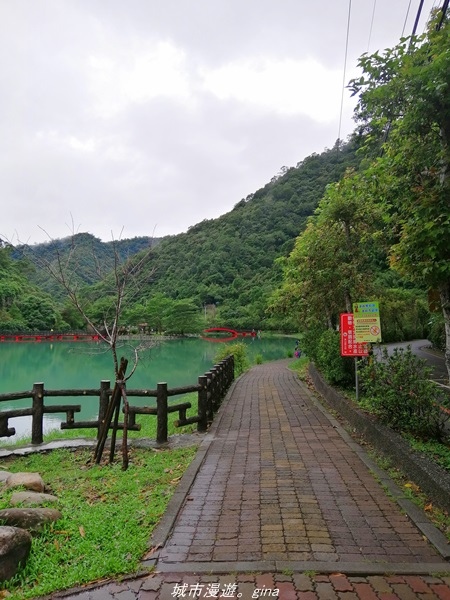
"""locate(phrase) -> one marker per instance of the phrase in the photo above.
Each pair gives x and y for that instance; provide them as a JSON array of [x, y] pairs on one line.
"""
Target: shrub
[[310, 341], [239, 351], [335, 368], [398, 389]]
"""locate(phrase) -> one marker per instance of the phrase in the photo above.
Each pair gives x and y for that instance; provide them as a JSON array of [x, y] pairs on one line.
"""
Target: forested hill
[[229, 261], [90, 255]]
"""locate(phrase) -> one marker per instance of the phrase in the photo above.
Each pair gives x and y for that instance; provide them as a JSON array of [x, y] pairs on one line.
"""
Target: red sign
[[349, 345]]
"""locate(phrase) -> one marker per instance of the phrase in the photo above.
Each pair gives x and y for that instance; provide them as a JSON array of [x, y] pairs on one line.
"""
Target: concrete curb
[[279, 566]]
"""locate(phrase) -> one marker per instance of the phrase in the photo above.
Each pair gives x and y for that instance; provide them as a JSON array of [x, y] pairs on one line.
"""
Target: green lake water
[[78, 365]]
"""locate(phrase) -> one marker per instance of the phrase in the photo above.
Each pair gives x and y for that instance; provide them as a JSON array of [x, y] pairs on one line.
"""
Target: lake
[[78, 365]]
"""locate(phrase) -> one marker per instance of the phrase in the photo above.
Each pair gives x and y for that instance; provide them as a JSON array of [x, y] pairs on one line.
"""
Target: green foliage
[[87, 253], [398, 389], [436, 331], [38, 312], [335, 368], [239, 351], [405, 91], [72, 317], [183, 317], [333, 261], [438, 452], [310, 340], [12, 326], [405, 314]]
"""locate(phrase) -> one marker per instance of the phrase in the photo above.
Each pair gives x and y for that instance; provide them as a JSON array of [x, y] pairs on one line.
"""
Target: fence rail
[[211, 389]]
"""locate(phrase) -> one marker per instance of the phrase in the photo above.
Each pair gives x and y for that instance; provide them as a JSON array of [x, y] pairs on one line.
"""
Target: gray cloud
[[153, 116]]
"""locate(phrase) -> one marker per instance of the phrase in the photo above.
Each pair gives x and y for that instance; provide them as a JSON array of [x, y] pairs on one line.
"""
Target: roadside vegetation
[[108, 516]]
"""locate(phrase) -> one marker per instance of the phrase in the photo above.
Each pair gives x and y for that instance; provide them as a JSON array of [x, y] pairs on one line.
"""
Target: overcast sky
[[144, 117]]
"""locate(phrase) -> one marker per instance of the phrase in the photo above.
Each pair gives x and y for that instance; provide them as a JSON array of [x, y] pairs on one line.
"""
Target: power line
[[371, 24], [406, 19], [345, 68], [416, 22], [444, 12]]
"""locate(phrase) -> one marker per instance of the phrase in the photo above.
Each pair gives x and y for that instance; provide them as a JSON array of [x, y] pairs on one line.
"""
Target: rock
[[31, 498], [32, 519], [15, 547], [30, 481], [4, 476]]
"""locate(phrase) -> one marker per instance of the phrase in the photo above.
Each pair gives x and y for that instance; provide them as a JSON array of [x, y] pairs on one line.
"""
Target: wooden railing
[[211, 389]]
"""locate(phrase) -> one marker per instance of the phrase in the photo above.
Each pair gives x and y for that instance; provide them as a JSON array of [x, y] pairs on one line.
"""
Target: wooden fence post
[[161, 407], [202, 425], [103, 404], [209, 400], [215, 389], [37, 426]]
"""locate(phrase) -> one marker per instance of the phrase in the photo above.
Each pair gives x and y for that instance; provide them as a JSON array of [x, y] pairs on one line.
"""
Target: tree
[[333, 260], [116, 290], [155, 312], [405, 93], [38, 312], [183, 317]]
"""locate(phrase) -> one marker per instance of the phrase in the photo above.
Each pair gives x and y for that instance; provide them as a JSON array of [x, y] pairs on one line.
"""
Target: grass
[[438, 452], [108, 515], [300, 366]]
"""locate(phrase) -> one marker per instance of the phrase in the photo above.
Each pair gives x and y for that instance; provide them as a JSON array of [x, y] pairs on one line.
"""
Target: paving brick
[[148, 595], [341, 583], [151, 583], [417, 584], [325, 591], [441, 590], [365, 591]]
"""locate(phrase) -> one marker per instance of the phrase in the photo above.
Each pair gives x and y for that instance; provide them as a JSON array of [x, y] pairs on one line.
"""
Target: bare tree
[[125, 282]]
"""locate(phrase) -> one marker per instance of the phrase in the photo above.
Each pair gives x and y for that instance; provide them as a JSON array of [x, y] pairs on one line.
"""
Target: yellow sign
[[367, 322]]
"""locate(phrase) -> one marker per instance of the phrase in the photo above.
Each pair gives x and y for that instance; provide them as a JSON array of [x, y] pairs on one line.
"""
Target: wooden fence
[[211, 389]]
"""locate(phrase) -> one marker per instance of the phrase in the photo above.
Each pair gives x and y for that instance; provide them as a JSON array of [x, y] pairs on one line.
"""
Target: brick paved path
[[281, 498]]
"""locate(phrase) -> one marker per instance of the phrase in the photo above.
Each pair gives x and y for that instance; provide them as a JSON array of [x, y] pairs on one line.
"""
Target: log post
[[222, 386], [231, 367], [161, 407], [37, 426], [209, 397], [202, 425], [214, 389], [103, 404], [104, 427]]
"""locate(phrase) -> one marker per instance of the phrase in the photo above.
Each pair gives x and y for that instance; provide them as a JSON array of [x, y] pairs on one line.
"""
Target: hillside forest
[[368, 219]]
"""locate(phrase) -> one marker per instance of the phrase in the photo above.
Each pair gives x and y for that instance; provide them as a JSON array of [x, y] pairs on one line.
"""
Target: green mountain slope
[[86, 255], [229, 261]]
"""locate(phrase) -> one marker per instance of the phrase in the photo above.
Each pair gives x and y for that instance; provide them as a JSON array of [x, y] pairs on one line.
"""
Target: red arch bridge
[[232, 334]]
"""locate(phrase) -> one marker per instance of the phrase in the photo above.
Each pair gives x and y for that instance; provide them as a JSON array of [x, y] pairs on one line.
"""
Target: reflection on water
[[78, 365]]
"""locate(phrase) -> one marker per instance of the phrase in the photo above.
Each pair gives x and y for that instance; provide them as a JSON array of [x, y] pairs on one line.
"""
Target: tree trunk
[[444, 291]]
